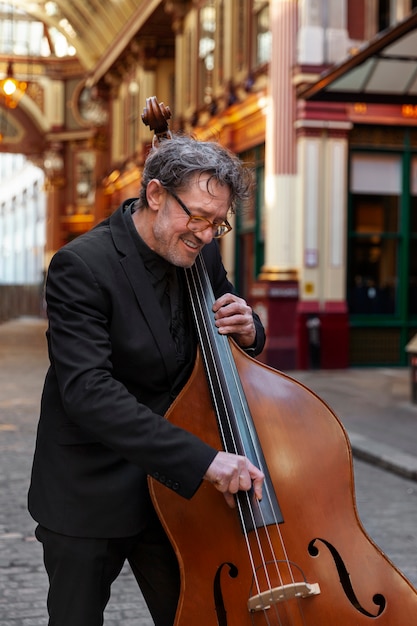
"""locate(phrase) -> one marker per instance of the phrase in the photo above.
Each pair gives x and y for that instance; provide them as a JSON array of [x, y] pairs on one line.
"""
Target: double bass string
[[199, 284], [211, 343], [217, 391]]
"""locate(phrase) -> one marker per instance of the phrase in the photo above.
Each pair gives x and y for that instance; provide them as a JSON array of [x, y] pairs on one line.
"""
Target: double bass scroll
[[156, 116]]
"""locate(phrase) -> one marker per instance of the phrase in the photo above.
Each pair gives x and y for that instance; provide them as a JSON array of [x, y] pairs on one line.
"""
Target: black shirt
[[169, 285]]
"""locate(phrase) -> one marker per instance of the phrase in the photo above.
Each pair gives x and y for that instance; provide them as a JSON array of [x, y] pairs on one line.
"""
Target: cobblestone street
[[387, 502]]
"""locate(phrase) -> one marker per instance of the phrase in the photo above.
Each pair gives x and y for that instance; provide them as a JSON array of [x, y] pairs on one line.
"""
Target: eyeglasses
[[197, 224]]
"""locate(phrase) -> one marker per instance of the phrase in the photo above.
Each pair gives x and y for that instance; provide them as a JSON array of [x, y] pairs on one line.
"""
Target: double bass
[[299, 557]]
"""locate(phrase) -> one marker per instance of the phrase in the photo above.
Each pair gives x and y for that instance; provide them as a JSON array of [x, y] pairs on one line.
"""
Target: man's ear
[[155, 194]]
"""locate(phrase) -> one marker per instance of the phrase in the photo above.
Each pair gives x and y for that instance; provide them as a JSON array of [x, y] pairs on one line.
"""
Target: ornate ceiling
[[103, 40], [99, 30]]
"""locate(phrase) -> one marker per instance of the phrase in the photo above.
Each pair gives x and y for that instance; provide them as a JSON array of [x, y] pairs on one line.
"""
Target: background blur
[[319, 97]]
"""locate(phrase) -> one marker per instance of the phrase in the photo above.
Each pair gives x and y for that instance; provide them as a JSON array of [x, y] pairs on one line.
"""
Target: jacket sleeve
[[94, 401]]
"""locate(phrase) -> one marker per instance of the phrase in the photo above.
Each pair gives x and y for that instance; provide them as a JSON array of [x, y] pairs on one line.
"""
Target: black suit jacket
[[112, 363]]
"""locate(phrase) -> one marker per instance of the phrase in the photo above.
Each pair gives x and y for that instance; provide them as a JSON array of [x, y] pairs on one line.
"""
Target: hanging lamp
[[11, 89]]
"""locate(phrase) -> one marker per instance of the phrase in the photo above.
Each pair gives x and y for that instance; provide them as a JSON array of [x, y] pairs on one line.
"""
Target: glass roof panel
[[24, 35], [354, 80], [93, 31], [404, 47], [395, 73]]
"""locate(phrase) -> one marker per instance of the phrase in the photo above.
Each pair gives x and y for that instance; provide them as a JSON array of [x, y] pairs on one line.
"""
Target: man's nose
[[206, 235]]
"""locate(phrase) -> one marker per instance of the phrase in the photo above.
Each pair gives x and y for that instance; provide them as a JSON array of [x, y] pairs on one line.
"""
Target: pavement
[[376, 407], [373, 404]]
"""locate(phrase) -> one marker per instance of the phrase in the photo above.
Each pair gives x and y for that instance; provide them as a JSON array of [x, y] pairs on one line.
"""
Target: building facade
[[325, 248]]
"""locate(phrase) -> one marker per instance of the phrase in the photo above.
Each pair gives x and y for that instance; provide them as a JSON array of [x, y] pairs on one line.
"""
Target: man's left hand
[[233, 316]]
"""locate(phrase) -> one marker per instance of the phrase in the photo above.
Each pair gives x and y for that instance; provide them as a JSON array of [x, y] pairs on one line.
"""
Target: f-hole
[[218, 594], [378, 599]]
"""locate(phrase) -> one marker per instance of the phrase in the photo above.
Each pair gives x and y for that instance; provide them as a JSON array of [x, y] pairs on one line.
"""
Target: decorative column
[[275, 295], [322, 139], [322, 319], [280, 145]]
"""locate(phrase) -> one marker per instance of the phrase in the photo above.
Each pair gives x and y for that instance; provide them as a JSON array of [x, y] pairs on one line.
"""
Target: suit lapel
[[146, 300]]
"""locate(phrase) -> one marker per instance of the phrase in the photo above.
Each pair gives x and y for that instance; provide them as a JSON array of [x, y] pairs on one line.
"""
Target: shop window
[[374, 234], [262, 33], [249, 226]]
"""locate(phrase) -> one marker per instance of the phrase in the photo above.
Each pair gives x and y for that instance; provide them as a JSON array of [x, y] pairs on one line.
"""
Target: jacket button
[[175, 486]]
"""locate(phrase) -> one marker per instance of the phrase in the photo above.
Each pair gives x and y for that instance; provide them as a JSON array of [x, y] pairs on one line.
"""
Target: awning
[[383, 70]]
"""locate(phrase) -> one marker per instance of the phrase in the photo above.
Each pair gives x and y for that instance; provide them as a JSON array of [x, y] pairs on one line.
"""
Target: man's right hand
[[231, 473]]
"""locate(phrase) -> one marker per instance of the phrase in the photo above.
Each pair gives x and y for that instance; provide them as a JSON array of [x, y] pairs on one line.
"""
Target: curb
[[384, 456]]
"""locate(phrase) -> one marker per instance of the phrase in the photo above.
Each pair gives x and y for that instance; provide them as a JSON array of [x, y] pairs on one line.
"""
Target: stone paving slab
[[374, 406]]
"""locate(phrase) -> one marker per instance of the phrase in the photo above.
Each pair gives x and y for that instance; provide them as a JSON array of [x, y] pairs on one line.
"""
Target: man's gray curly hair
[[174, 162]]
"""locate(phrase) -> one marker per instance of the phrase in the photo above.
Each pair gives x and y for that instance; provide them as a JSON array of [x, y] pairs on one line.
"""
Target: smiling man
[[122, 345]]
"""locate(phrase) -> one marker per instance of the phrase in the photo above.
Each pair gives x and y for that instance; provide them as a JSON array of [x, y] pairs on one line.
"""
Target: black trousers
[[81, 571]]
